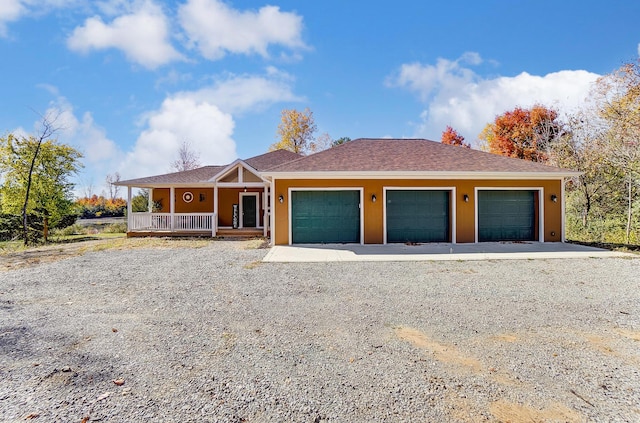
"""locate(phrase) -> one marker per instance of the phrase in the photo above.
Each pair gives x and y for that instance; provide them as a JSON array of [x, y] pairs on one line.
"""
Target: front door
[[249, 211]]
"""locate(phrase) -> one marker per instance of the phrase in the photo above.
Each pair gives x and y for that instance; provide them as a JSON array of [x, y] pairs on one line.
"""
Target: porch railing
[[176, 222]]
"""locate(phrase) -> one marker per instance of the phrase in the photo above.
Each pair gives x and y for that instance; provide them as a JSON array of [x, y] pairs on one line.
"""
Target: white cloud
[[455, 95], [205, 118], [216, 29], [143, 36], [84, 134], [239, 94], [205, 126], [13, 10], [10, 10]]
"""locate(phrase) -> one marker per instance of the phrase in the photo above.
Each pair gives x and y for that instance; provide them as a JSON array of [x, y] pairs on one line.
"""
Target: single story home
[[366, 191]]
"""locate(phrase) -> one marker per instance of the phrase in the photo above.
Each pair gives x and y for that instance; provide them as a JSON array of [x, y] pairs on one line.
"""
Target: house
[[368, 191]]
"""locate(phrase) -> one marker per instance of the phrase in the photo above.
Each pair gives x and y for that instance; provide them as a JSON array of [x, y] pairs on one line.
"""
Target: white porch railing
[[176, 222]]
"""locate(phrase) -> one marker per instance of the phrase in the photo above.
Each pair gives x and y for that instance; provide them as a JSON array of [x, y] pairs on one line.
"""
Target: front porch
[[185, 225]]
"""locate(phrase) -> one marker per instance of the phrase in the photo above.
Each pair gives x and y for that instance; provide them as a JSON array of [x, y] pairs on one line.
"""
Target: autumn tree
[[323, 142], [581, 148], [619, 96], [295, 131], [36, 175], [451, 137], [188, 158], [523, 133]]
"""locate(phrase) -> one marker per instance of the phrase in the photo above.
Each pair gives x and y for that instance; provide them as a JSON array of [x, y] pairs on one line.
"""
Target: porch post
[[129, 208], [215, 204], [265, 213], [150, 202], [272, 219], [172, 207]]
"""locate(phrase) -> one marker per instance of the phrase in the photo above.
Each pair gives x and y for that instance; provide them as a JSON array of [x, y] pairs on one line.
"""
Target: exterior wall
[[465, 211], [202, 200]]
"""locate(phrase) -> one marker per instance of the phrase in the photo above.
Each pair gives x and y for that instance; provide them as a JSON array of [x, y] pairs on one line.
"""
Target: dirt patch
[[506, 411], [601, 344], [442, 352], [506, 337], [631, 334]]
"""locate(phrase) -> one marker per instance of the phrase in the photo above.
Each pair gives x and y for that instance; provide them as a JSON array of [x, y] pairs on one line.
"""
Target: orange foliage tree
[[452, 137], [523, 133], [94, 206]]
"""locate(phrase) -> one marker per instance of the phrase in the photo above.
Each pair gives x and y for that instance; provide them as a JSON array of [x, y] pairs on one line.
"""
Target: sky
[[129, 81]]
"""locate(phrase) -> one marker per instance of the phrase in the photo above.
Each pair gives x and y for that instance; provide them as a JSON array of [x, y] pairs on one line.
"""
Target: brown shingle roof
[[207, 173], [271, 159], [201, 174], [408, 155]]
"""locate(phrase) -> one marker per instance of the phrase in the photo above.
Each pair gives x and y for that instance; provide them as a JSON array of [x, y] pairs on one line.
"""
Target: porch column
[[215, 205], [172, 207], [150, 202], [129, 209], [265, 212]]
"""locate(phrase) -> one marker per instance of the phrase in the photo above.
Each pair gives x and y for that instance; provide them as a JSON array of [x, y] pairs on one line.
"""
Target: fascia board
[[422, 175]]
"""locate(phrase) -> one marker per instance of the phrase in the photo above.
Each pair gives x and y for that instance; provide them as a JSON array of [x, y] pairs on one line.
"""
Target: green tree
[[295, 131], [340, 141], [36, 175]]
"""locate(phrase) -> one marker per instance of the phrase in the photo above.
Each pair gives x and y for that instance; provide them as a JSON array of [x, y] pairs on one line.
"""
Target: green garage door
[[506, 216], [325, 217], [417, 216]]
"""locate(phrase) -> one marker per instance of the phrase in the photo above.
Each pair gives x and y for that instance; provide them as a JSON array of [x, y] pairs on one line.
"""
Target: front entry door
[[249, 211]]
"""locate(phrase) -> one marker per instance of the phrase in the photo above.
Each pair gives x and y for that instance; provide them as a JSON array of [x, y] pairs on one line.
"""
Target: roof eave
[[421, 175]]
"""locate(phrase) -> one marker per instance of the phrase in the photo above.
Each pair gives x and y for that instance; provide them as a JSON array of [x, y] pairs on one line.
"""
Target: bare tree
[[188, 158], [111, 180]]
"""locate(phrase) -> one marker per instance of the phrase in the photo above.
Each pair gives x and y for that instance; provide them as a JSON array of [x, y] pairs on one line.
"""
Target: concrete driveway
[[435, 252]]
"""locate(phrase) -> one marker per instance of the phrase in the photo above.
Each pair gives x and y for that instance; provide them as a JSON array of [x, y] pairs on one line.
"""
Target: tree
[[295, 131], [188, 158], [111, 181], [619, 94], [523, 133], [451, 137], [36, 173], [323, 142], [580, 148], [340, 141]]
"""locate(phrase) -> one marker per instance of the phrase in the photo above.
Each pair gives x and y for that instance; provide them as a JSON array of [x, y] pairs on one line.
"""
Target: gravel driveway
[[213, 334]]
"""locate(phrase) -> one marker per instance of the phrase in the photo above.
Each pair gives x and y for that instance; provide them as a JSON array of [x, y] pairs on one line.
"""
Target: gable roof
[[206, 174], [367, 155], [272, 159], [201, 174]]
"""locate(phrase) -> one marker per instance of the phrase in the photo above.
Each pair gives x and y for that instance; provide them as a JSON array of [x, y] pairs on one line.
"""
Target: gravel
[[213, 334]]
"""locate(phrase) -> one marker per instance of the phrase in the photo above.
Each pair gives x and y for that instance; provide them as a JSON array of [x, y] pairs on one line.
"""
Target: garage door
[[417, 216], [325, 216], [506, 216]]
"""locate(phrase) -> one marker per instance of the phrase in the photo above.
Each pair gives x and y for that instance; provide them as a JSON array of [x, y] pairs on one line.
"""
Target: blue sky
[[131, 80]]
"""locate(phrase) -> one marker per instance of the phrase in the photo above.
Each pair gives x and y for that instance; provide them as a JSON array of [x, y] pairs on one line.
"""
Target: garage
[[418, 216], [507, 215], [325, 216]]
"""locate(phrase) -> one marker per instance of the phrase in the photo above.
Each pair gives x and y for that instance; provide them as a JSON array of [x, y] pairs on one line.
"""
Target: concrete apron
[[436, 252]]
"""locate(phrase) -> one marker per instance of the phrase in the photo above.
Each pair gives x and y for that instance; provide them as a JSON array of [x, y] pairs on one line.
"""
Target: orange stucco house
[[366, 191]]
